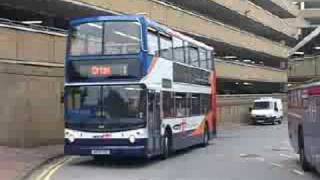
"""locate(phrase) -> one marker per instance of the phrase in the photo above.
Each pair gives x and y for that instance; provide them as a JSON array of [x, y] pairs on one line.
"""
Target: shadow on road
[[132, 163]]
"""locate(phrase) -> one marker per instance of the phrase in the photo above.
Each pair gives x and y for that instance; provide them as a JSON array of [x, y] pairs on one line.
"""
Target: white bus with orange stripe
[[136, 88]]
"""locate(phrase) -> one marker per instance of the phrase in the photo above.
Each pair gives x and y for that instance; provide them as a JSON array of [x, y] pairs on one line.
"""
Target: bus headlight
[[70, 137], [132, 139]]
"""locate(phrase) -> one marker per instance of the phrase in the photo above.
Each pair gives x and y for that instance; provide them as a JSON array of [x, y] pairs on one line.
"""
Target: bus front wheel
[[166, 146]]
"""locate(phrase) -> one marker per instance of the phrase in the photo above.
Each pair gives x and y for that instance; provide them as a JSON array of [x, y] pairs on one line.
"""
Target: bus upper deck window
[[86, 39], [166, 47], [178, 50], [203, 58], [122, 38], [153, 43]]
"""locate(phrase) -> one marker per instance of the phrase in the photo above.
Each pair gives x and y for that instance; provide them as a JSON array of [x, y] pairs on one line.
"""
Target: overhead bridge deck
[[212, 31]]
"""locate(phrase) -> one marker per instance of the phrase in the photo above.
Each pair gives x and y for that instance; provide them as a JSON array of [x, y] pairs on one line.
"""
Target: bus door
[[154, 122]]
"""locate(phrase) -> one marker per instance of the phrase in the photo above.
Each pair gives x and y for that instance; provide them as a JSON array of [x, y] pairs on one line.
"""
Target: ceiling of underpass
[[213, 10], [57, 13], [52, 12]]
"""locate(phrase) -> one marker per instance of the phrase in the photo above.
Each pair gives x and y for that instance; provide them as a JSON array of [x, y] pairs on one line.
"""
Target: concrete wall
[[302, 68], [235, 108], [248, 72], [31, 84]]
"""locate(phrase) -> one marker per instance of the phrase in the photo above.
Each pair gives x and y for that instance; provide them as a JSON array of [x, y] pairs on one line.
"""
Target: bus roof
[[142, 19], [306, 85]]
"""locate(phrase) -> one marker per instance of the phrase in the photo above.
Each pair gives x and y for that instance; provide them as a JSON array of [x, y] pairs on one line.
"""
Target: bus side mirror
[[250, 109]]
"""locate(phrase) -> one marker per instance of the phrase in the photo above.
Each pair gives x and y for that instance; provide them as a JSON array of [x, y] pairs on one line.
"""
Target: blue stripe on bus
[[105, 18]]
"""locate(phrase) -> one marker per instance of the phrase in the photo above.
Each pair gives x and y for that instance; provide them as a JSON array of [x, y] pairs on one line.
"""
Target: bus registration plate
[[100, 152]]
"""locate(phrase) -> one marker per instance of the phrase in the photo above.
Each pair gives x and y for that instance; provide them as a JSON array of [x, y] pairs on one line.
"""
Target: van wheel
[[302, 155], [280, 120]]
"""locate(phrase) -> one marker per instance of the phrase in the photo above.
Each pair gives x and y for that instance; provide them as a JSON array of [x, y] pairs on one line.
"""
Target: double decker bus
[[134, 87], [304, 124]]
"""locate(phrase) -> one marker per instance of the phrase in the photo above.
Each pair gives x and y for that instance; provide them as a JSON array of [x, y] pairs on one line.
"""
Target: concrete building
[[252, 41], [304, 64]]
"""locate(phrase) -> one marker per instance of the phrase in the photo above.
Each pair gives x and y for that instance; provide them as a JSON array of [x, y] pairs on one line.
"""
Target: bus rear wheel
[[302, 155], [205, 138]]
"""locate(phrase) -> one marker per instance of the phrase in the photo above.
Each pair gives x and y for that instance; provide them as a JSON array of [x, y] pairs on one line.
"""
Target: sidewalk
[[16, 163]]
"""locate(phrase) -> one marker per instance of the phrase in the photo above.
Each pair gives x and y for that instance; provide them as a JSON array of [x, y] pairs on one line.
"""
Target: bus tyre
[[166, 146], [205, 138], [302, 155]]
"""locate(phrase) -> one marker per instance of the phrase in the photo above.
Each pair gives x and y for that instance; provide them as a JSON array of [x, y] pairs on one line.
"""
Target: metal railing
[[20, 24]]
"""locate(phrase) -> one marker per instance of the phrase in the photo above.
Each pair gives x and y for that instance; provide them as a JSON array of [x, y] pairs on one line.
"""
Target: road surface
[[240, 153]]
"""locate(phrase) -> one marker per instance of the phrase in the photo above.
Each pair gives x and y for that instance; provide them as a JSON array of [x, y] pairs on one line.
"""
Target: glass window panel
[[178, 50], [181, 105], [166, 47], [168, 104], [203, 58], [195, 100], [193, 55], [122, 38], [153, 43], [86, 39]]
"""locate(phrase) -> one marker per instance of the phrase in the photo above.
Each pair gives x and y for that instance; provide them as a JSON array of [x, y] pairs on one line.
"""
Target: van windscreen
[[261, 105]]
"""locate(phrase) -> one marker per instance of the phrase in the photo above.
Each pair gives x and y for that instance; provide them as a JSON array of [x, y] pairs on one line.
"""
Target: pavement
[[18, 163], [243, 152]]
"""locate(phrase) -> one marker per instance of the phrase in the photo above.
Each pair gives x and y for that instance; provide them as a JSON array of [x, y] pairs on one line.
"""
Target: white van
[[267, 110]]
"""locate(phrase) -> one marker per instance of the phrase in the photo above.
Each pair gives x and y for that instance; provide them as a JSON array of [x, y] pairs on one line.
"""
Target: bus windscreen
[[115, 107]]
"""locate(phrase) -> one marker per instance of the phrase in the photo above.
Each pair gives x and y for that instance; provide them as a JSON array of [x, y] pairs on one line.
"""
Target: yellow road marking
[[48, 172]]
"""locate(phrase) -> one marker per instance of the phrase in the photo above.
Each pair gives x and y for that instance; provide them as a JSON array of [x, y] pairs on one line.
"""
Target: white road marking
[[243, 155], [277, 165], [298, 172], [295, 115], [286, 156], [260, 159]]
